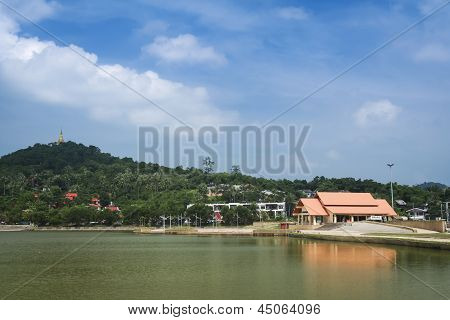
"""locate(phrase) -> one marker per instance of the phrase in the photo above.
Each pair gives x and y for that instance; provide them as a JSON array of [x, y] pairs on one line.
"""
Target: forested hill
[[39, 176], [55, 157], [432, 185]]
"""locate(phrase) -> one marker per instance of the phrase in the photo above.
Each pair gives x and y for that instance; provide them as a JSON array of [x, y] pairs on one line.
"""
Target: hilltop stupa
[[60, 138]]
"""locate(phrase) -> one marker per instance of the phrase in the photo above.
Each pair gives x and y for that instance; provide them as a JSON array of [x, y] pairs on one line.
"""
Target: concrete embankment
[[401, 241], [198, 231], [216, 231], [96, 229], [16, 228], [438, 226]]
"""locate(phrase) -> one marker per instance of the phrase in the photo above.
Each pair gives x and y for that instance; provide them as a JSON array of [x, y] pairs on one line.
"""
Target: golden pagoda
[[60, 138]]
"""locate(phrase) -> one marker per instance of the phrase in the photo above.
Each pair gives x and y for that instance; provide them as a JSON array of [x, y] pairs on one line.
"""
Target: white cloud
[[332, 154], [44, 73], [223, 14], [153, 28], [292, 13], [32, 9], [184, 48], [426, 6], [375, 113], [433, 53]]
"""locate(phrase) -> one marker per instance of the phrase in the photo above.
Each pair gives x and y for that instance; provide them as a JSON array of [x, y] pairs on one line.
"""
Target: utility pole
[[390, 165]]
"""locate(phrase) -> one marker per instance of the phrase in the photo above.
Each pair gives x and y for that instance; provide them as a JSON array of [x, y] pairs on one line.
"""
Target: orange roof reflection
[[347, 256]]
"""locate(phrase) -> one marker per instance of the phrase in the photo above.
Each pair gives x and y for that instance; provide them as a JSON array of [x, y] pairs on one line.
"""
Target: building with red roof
[[71, 195], [332, 207], [112, 207]]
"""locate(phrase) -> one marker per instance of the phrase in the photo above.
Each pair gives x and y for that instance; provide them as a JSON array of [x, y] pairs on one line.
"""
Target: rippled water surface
[[88, 265]]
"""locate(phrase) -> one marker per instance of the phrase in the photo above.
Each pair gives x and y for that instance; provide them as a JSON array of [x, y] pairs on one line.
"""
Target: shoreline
[[28, 228], [430, 243], [440, 244]]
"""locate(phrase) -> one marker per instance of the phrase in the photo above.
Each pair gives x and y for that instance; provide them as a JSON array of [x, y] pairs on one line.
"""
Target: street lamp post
[[390, 165]]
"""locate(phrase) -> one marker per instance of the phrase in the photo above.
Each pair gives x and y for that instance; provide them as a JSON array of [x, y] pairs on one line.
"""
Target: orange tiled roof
[[386, 207], [313, 206], [356, 210], [344, 203], [346, 199]]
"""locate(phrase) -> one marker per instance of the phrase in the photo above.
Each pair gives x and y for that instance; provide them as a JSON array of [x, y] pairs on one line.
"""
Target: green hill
[[432, 185], [41, 157]]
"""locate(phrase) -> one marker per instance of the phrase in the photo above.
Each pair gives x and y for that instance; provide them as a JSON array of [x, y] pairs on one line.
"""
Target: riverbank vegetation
[[34, 183]]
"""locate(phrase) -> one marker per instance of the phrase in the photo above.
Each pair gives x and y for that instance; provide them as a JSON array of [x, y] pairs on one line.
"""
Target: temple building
[[333, 207]]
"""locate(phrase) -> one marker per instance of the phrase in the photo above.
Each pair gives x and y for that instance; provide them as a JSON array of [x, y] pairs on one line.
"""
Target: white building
[[416, 213], [271, 208]]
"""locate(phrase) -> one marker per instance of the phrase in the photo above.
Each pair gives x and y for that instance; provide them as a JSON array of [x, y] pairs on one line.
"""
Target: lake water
[[88, 265]]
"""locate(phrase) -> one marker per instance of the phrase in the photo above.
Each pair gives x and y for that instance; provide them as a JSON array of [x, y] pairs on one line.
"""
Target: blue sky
[[236, 62]]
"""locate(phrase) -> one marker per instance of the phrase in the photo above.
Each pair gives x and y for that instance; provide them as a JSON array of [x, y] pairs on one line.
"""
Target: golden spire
[[60, 138]]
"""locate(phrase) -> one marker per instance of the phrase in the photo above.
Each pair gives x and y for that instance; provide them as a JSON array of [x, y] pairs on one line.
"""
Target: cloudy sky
[[234, 62]]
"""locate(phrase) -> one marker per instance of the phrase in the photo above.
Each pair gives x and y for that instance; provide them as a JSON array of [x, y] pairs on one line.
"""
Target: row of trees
[[77, 215]]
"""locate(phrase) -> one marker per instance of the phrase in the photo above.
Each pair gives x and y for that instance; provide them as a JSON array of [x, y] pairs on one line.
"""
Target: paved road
[[364, 227]]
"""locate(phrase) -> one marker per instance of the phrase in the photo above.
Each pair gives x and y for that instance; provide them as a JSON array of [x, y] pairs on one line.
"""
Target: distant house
[[267, 192], [95, 203], [416, 213], [112, 207], [71, 196], [309, 193], [214, 192], [400, 203], [332, 207]]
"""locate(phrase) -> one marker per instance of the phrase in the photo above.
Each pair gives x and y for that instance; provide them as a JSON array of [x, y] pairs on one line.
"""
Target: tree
[[290, 203], [235, 169], [107, 217], [77, 215], [238, 215], [200, 211], [228, 216], [202, 193], [244, 215], [208, 165]]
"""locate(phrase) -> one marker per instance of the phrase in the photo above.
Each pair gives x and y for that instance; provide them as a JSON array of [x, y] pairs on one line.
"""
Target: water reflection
[[338, 270], [342, 255]]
